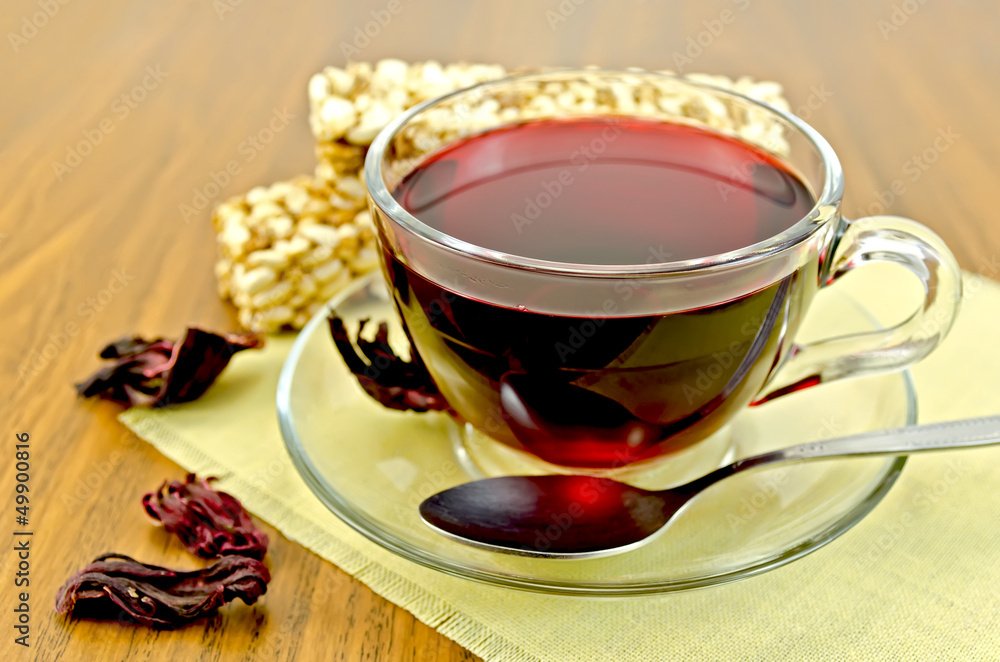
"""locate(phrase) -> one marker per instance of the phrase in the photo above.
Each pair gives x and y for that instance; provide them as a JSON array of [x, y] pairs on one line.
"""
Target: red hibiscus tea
[[612, 388]]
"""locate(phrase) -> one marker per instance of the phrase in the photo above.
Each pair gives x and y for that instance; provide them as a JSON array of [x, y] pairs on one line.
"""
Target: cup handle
[[878, 239]]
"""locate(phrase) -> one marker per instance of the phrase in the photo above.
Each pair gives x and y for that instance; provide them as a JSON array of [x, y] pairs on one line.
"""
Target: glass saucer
[[372, 467]]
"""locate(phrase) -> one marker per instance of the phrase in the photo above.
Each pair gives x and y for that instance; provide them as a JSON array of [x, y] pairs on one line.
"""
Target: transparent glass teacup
[[473, 313]]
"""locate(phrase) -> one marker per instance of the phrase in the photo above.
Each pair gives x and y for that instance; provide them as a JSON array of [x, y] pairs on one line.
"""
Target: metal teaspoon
[[593, 516]]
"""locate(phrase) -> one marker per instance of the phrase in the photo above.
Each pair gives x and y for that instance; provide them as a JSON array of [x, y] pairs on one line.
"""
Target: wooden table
[[100, 249]]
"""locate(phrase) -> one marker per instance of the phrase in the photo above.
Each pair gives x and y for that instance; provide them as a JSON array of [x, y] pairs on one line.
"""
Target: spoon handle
[[965, 433]]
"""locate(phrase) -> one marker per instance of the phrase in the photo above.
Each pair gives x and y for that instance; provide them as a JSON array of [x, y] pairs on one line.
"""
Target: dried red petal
[[209, 523], [397, 384], [115, 586], [155, 373]]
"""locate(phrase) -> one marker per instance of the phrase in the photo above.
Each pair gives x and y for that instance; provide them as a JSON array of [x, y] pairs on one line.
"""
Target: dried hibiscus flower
[[397, 384], [209, 523], [159, 597], [155, 373]]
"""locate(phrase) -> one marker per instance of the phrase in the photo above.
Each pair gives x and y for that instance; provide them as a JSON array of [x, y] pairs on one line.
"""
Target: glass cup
[[563, 391]]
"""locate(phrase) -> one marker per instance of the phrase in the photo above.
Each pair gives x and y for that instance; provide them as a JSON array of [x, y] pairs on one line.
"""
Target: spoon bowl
[[565, 516]]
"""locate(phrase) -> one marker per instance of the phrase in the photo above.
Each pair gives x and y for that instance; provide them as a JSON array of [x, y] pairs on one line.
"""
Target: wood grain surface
[[100, 248]]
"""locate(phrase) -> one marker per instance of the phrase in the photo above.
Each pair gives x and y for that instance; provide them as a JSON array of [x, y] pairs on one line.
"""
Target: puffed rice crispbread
[[286, 248]]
